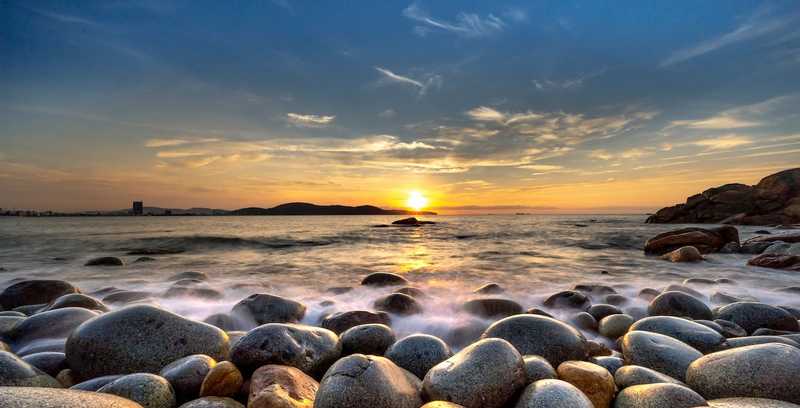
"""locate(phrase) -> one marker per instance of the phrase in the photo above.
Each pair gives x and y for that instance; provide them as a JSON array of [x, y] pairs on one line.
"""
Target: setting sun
[[416, 200]]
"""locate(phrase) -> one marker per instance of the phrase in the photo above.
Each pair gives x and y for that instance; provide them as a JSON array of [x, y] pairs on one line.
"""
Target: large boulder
[[139, 338], [553, 394], [752, 316], [658, 352], [276, 386], [694, 334], [763, 371], [485, 374], [262, 308], [34, 292], [310, 349], [418, 353], [540, 335], [53, 324], [33, 397], [704, 240], [16, 372], [359, 381]]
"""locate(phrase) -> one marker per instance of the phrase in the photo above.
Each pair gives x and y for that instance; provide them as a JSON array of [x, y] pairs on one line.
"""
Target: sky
[[551, 106]]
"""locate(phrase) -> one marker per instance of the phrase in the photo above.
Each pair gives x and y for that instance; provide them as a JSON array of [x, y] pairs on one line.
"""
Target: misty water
[[531, 256]]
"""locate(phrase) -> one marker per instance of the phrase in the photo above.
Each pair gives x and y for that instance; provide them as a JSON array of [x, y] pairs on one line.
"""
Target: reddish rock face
[[776, 261], [705, 240], [774, 200]]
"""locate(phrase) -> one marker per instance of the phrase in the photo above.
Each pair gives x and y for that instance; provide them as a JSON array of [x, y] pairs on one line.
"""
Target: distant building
[[138, 208]]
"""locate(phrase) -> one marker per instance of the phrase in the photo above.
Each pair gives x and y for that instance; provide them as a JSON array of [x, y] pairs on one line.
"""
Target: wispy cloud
[[716, 122], [466, 24], [306, 120], [723, 142], [432, 81], [65, 18], [566, 84], [758, 25], [745, 116], [177, 142]]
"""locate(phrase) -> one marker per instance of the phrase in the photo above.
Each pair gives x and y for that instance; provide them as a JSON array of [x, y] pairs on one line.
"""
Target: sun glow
[[416, 201]]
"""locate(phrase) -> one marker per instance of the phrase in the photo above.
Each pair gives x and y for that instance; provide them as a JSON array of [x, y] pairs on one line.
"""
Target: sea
[[301, 257]]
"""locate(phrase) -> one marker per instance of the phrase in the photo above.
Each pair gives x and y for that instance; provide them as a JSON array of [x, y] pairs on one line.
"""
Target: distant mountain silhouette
[[314, 209]]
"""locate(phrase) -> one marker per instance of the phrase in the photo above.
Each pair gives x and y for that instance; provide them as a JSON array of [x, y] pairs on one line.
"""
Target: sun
[[416, 200]]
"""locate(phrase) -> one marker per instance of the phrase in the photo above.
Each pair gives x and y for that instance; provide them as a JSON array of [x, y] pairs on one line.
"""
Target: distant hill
[[313, 209]]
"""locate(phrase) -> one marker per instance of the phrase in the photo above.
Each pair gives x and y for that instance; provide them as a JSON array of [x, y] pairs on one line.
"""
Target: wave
[[178, 244]]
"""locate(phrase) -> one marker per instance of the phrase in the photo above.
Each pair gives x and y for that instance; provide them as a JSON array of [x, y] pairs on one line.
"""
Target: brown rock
[[776, 261], [684, 254], [224, 380], [593, 380], [705, 240], [275, 386]]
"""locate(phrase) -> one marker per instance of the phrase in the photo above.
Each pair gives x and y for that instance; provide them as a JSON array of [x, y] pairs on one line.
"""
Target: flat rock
[[485, 374], [552, 394], [359, 381], [139, 338], [761, 371], [658, 352], [539, 335], [663, 395], [310, 349], [33, 397]]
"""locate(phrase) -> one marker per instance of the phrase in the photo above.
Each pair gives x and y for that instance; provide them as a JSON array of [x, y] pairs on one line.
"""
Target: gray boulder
[[53, 324], [538, 368], [371, 339], [307, 348], [34, 292], [359, 381], [680, 304], [553, 394], [186, 375], [630, 375], [139, 338], [752, 316], [33, 397], [701, 337], [662, 395], [659, 352], [484, 374], [14, 372], [261, 308], [762, 371], [542, 336], [49, 362], [418, 353], [149, 390], [341, 321]]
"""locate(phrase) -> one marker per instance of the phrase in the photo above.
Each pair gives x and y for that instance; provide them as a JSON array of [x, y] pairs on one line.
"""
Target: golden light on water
[[416, 200]]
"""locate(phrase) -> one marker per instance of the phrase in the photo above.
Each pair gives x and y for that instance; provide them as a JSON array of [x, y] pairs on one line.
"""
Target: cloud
[[601, 154], [65, 18], [566, 84], [723, 142], [754, 27], [305, 120], [388, 113], [432, 82], [466, 24], [745, 116], [485, 113], [177, 142], [716, 122], [179, 154]]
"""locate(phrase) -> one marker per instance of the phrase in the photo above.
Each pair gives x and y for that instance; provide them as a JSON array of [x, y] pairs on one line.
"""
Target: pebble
[[730, 329], [601, 310], [593, 380], [418, 353], [95, 383], [223, 380], [398, 303], [149, 390], [610, 363], [537, 368], [308, 348], [542, 336], [359, 381]]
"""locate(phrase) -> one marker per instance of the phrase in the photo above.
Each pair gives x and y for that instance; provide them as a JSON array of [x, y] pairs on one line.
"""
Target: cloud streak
[[306, 120], [466, 24], [389, 77]]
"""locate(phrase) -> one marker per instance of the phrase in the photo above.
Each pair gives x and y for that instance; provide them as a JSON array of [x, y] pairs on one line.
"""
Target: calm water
[[299, 257]]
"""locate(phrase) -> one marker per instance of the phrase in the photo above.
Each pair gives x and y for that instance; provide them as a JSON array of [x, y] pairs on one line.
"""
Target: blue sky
[[576, 105]]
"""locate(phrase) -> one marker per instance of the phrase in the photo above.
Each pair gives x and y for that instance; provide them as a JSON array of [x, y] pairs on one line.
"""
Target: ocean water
[[531, 256]]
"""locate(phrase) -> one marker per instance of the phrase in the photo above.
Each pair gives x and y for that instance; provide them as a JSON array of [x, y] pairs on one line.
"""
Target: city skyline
[[480, 106]]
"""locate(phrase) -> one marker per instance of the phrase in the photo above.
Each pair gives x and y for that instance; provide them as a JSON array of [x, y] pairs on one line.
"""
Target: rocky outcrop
[[704, 240], [774, 200]]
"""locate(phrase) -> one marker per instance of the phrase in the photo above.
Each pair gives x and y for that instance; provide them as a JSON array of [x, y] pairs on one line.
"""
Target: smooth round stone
[[223, 380], [262, 308], [33, 397], [752, 316], [372, 339], [50, 362], [679, 304], [723, 298], [274, 386], [105, 261], [648, 294], [126, 296], [418, 353], [187, 374], [65, 377], [441, 404], [95, 383], [684, 254], [568, 299], [539, 312], [213, 402], [750, 403], [412, 291], [663, 395], [630, 375], [485, 374], [594, 348], [730, 329], [711, 325], [701, 337], [583, 321], [341, 321], [310, 349], [359, 381], [149, 390], [223, 321], [7, 324], [465, 332], [77, 300], [34, 292], [493, 307], [615, 325], [537, 368], [192, 292], [200, 276], [398, 303], [594, 381], [542, 336], [762, 371], [384, 279], [735, 342], [685, 289], [54, 324], [610, 363], [616, 299], [16, 372], [601, 310], [659, 352], [489, 289], [792, 311], [594, 290], [139, 338], [552, 394]]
